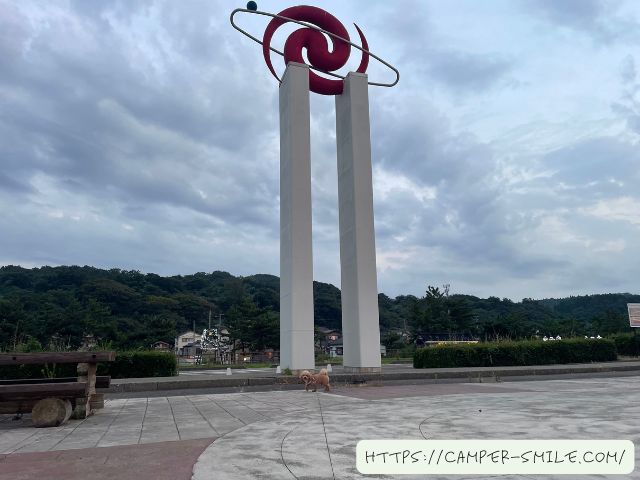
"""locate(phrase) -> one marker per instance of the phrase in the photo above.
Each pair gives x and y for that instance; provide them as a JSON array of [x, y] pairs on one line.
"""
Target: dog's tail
[[323, 372]]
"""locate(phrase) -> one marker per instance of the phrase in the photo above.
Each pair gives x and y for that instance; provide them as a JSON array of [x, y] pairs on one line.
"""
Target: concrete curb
[[475, 374]]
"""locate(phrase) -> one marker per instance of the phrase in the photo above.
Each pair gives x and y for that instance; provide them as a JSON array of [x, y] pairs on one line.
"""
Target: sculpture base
[[347, 369], [298, 371]]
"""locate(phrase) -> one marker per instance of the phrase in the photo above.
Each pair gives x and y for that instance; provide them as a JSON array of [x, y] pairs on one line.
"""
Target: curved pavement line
[[259, 449], [254, 451]]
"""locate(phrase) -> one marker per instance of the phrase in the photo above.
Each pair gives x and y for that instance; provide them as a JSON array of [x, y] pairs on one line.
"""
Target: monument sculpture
[[360, 321]]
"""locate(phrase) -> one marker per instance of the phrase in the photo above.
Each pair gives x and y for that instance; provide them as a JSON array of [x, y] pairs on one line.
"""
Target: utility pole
[[209, 319], [219, 336]]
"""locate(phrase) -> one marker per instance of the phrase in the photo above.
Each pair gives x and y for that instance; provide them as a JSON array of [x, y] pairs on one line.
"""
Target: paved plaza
[[295, 434]]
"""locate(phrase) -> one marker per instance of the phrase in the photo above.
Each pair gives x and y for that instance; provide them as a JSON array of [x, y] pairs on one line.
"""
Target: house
[[324, 337], [268, 355], [187, 344], [337, 350], [191, 352], [162, 346], [328, 334]]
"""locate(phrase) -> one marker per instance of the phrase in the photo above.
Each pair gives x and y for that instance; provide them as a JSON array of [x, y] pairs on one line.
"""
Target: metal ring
[[314, 27]]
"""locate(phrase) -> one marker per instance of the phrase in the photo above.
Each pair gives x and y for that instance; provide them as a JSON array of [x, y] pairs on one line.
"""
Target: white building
[[189, 338]]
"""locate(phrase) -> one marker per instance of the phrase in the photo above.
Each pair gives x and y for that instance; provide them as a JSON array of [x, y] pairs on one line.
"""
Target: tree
[[437, 310], [239, 318], [12, 322], [461, 315], [132, 309], [264, 331]]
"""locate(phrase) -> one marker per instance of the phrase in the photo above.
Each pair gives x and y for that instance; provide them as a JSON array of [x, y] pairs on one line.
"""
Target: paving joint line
[[326, 440], [276, 404], [143, 419], [205, 418], [50, 449], [20, 442], [110, 424], [272, 405], [253, 410], [173, 415], [231, 414]]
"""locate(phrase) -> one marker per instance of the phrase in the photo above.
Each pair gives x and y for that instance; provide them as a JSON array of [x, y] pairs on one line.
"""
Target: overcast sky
[[144, 135]]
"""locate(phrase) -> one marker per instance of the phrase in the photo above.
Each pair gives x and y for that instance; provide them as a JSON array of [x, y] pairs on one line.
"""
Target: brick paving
[[157, 461]]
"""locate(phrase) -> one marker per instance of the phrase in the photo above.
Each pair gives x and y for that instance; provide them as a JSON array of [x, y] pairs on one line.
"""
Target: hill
[[131, 309]]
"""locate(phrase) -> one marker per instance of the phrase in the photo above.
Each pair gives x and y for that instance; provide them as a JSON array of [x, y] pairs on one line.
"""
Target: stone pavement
[[294, 434]]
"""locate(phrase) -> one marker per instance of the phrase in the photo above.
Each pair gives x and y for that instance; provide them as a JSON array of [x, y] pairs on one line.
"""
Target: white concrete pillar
[[360, 321], [296, 256]]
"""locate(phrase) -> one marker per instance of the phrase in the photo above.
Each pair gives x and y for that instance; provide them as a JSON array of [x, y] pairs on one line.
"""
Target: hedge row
[[515, 353], [140, 364], [627, 344], [133, 364], [10, 372]]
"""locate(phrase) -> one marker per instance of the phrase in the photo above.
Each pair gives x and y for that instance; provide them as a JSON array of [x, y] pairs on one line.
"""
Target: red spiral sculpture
[[317, 46]]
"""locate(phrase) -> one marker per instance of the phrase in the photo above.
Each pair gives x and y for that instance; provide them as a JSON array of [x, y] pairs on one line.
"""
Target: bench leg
[[86, 373], [97, 401]]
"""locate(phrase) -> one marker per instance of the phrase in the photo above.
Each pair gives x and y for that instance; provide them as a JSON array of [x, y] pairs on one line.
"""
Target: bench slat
[[11, 393], [41, 358], [102, 381]]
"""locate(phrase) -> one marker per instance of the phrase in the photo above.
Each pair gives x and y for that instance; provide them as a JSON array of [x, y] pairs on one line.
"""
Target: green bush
[[515, 353], [133, 364], [11, 372], [140, 364], [627, 344]]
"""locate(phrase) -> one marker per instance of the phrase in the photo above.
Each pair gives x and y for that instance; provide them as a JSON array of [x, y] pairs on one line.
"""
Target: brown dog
[[315, 379]]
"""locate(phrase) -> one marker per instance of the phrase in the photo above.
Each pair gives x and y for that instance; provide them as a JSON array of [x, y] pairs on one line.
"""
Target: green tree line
[[131, 309]]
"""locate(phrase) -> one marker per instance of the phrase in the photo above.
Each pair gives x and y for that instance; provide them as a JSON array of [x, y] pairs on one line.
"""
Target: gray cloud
[[145, 135], [595, 164], [596, 18], [467, 71], [580, 13], [467, 217], [102, 126], [628, 70], [628, 106]]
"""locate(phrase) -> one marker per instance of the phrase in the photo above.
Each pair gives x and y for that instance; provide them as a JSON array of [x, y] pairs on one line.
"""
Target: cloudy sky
[[144, 135]]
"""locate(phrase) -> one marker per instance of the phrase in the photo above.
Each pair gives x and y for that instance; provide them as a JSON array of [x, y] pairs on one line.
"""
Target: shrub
[[139, 364], [627, 344], [131, 364], [12, 372], [515, 353]]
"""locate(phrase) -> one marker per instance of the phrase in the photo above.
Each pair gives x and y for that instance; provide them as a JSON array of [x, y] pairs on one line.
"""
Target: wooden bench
[[97, 400], [54, 397], [102, 381]]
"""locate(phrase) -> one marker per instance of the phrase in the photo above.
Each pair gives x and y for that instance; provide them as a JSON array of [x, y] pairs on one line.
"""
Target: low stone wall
[[476, 374]]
